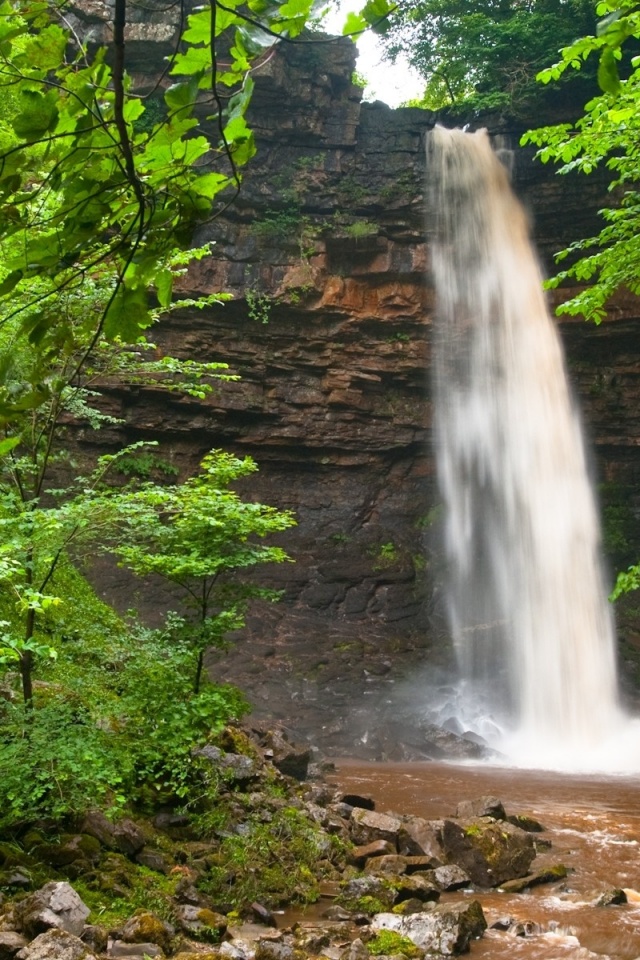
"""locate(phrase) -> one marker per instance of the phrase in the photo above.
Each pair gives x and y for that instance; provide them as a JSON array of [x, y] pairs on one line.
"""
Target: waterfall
[[527, 604]]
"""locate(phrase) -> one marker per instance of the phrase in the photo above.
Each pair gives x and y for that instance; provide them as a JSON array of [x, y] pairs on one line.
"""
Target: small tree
[[198, 536]]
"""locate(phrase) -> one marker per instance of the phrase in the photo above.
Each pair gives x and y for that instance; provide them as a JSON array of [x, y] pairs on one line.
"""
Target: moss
[[388, 942]]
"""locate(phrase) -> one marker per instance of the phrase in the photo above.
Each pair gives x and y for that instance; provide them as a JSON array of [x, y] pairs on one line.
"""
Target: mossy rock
[[146, 927]]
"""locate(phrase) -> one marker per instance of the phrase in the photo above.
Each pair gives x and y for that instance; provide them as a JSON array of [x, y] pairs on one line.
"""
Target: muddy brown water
[[593, 824]]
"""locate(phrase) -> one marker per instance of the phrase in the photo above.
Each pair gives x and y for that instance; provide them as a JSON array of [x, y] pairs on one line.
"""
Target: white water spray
[[528, 610]]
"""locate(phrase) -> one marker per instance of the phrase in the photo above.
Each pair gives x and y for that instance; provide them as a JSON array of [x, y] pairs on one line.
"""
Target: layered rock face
[[326, 255]]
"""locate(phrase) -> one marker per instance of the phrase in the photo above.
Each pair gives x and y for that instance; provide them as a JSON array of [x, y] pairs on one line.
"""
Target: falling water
[[527, 602]]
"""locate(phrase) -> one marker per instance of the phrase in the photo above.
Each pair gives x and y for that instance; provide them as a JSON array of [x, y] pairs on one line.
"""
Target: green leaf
[[354, 24], [164, 287], [128, 314], [8, 444], [608, 77]]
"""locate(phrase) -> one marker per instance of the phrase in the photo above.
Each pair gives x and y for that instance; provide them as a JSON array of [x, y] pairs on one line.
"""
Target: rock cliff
[[326, 255]]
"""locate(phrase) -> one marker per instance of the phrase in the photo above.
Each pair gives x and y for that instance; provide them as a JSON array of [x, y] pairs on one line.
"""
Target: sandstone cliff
[[326, 256]]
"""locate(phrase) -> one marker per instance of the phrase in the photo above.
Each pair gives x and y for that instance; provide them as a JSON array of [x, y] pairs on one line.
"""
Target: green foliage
[[605, 136], [362, 228], [114, 720], [258, 306], [390, 943], [481, 55], [276, 860], [197, 535]]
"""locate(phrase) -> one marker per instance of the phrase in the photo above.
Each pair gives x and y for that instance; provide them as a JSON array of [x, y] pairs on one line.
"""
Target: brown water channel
[[592, 822]]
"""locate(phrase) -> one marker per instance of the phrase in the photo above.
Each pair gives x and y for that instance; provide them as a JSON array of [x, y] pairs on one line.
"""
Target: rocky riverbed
[[221, 879]]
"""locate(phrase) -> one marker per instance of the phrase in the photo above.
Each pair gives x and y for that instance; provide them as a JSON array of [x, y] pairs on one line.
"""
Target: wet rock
[[525, 928], [446, 929], [10, 943], [412, 905], [56, 944], [355, 800], [391, 865], [422, 838], [262, 914], [451, 877], [16, 880], [291, 759], [526, 823], [491, 852], [549, 875], [377, 849], [502, 923], [336, 912], [124, 835], [611, 898], [416, 887], [56, 905], [145, 927], [367, 894], [367, 825], [482, 807]]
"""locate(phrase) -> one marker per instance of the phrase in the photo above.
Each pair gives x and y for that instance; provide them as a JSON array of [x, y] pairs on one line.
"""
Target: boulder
[[122, 835], [377, 848], [194, 920], [422, 838], [490, 851], [120, 948], [548, 875], [367, 825], [152, 860], [391, 865], [56, 905], [56, 944], [451, 877], [416, 887], [145, 927], [236, 767], [482, 807], [366, 893], [446, 929], [612, 897], [10, 944]]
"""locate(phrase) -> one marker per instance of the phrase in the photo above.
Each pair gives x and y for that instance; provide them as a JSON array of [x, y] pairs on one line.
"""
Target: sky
[[392, 83]]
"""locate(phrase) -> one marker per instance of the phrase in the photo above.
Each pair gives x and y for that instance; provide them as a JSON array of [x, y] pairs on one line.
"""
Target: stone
[[10, 943], [95, 937], [490, 851], [526, 823], [356, 951], [368, 888], [235, 767], [56, 905], [122, 835], [548, 875], [273, 950], [391, 865], [356, 800], [482, 807], [263, 914], [336, 912], [405, 907], [145, 927], [612, 897], [367, 825], [56, 944], [416, 887], [194, 920], [445, 930], [377, 849], [121, 948], [422, 838], [152, 860], [451, 877]]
